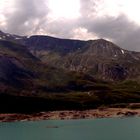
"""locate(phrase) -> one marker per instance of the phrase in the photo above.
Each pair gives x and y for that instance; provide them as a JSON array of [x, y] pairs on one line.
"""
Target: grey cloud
[[89, 8], [27, 16], [121, 30], [62, 28], [30, 17]]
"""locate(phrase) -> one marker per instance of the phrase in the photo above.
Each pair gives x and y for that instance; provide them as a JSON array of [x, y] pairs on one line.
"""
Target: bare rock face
[[116, 73]]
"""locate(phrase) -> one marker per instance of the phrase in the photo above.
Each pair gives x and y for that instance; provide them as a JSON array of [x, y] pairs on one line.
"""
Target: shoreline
[[68, 115]]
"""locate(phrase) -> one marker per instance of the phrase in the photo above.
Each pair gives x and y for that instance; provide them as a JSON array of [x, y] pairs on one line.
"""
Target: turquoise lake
[[96, 129]]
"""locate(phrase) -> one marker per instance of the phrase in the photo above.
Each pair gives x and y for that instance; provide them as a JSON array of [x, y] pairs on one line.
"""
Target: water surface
[[98, 129]]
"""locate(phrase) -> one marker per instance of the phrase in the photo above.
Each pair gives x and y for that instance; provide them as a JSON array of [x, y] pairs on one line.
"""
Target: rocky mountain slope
[[22, 71], [14, 68], [56, 74], [99, 58]]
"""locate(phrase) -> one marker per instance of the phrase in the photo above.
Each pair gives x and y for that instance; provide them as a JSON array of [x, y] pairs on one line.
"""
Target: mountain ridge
[[41, 73], [99, 58]]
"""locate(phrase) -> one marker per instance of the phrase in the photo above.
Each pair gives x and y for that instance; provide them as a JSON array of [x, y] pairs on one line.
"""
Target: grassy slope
[[101, 94]]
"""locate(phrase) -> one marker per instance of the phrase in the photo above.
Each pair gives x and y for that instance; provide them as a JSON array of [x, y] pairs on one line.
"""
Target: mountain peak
[[96, 57], [105, 42]]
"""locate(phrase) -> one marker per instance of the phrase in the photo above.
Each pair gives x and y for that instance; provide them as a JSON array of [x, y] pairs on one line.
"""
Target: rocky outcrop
[[67, 115], [116, 73]]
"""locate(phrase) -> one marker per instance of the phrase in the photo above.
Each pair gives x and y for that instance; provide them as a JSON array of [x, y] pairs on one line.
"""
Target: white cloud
[[64, 8], [82, 33]]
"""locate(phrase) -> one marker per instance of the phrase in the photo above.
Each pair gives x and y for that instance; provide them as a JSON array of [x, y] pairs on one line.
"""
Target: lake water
[[96, 129]]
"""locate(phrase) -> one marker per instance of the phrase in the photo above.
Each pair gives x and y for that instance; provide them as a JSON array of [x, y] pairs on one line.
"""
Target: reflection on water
[[98, 129]]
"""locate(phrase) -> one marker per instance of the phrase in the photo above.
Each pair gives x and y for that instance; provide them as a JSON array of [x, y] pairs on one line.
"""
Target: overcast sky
[[115, 20]]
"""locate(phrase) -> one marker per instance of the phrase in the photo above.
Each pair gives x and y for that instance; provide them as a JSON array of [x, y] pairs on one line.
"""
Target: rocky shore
[[61, 115]]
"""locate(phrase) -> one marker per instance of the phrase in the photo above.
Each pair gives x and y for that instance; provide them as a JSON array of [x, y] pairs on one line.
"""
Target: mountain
[[14, 68], [40, 73], [99, 58], [22, 71]]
